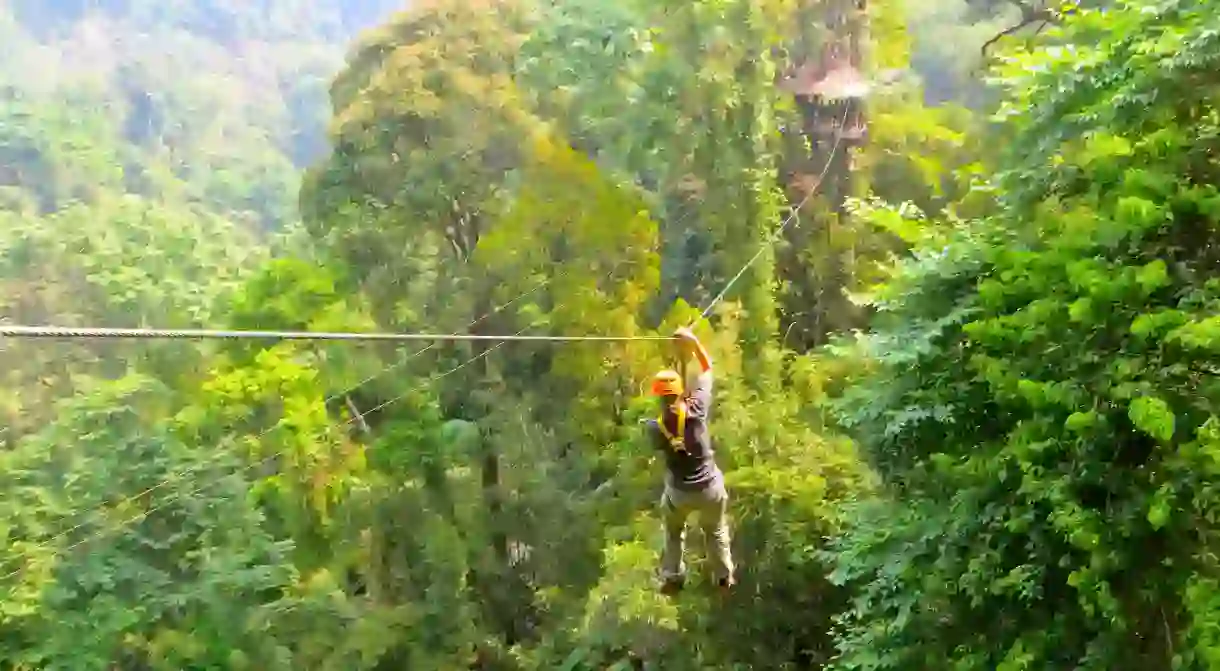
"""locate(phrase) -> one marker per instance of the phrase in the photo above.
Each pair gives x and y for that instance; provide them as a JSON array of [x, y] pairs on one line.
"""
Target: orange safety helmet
[[667, 383]]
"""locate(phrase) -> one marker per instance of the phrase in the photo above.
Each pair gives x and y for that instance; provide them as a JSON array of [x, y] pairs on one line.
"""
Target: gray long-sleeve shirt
[[695, 468]]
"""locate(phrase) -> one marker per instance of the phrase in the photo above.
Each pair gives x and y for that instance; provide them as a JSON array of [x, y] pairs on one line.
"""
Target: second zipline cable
[[179, 475], [791, 217], [244, 469]]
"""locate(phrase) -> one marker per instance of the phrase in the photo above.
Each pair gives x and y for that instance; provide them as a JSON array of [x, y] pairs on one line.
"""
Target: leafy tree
[[49, 153], [95, 98], [113, 557], [1041, 401], [1033, 409], [121, 262]]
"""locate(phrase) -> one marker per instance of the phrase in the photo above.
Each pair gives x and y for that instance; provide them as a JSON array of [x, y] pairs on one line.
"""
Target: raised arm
[[691, 345], [701, 392]]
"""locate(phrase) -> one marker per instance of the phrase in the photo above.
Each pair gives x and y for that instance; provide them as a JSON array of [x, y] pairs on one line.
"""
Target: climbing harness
[[677, 442]]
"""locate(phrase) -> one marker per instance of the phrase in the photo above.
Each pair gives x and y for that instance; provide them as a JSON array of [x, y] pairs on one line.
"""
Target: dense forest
[[955, 261]]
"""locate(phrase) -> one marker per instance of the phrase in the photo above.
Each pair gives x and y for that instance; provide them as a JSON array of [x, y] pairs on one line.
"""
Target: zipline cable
[[22, 331], [70, 332], [83, 332], [175, 476], [248, 467], [791, 217]]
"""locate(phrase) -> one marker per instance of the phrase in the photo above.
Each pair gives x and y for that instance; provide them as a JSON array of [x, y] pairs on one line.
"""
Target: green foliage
[[1037, 393], [115, 556], [120, 262], [49, 152], [544, 484], [95, 99], [1041, 402]]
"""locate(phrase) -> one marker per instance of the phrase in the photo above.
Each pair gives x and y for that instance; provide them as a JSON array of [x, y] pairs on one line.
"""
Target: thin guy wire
[[178, 475], [174, 477], [392, 367], [249, 467], [791, 217]]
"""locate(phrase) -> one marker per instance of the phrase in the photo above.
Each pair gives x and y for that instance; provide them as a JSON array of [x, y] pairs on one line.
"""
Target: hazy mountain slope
[[217, 102]]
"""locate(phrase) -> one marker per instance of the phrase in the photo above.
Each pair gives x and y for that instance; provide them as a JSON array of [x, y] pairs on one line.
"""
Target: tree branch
[[1029, 16], [357, 415]]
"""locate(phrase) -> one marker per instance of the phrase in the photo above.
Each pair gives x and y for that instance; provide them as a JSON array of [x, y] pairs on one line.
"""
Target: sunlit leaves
[[1078, 379], [130, 550], [1152, 416], [120, 262], [558, 167]]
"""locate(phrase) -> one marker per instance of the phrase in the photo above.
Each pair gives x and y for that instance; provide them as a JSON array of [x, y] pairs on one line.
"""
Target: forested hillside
[[206, 102], [955, 263], [147, 151]]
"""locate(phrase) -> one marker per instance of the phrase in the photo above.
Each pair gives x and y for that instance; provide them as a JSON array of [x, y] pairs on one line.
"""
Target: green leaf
[[1080, 311], [1079, 422], [1158, 513], [1152, 416], [1138, 213], [1153, 276]]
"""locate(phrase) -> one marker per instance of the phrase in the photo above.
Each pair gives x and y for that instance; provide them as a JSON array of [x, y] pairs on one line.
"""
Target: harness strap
[[678, 442]]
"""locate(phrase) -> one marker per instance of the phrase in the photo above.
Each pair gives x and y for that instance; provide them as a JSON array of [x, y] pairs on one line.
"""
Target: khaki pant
[[712, 506]]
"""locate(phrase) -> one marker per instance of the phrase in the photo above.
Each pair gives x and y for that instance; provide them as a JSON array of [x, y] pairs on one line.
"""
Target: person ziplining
[[694, 482]]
